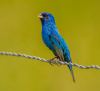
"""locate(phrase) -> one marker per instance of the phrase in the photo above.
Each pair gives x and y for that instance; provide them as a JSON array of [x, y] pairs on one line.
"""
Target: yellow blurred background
[[78, 21]]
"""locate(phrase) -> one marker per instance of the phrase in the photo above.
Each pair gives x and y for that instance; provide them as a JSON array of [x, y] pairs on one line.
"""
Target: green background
[[78, 21]]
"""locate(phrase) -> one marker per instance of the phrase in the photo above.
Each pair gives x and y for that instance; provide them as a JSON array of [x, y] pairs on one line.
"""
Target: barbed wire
[[53, 61]]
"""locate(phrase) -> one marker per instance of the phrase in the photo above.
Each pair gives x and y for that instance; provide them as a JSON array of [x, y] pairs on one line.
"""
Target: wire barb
[[53, 61]]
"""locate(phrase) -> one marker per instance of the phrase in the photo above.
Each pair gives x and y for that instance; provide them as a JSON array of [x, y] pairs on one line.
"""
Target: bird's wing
[[56, 42]]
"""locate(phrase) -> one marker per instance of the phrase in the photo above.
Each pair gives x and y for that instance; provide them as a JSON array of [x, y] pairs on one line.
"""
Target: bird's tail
[[70, 67]]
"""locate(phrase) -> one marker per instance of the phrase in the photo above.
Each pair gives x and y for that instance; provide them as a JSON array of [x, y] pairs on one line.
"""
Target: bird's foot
[[57, 63], [51, 63], [52, 60]]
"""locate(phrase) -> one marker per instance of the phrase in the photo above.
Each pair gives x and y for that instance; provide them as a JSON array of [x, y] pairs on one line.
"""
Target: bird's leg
[[52, 59], [56, 62]]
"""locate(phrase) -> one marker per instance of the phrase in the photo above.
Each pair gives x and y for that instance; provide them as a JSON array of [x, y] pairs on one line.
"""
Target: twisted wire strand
[[53, 61]]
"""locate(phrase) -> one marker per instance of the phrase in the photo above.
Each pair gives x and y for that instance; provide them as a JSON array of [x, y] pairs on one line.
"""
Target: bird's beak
[[40, 16]]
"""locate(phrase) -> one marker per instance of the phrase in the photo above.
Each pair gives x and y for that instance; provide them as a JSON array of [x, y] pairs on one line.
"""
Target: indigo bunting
[[53, 40]]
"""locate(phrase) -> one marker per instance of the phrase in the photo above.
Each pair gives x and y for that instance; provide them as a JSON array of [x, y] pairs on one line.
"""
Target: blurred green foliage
[[78, 21]]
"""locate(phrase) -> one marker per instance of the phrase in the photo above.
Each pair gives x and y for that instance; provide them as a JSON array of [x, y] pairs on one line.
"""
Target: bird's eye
[[46, 15]]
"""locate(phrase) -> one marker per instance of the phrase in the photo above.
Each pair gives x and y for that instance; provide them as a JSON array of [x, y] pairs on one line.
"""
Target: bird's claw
[[52, 60], [57, 63]]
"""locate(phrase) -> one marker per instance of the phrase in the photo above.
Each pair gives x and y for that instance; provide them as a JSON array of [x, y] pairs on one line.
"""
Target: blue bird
[[53, 40]]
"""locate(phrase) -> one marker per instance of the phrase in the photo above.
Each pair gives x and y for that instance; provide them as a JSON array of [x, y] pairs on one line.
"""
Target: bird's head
[[46, 18]]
